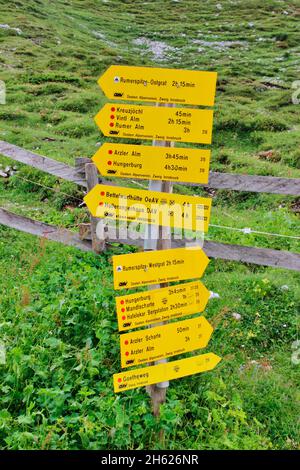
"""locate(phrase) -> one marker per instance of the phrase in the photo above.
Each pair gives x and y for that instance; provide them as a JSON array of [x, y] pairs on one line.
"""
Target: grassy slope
[[57, 315]]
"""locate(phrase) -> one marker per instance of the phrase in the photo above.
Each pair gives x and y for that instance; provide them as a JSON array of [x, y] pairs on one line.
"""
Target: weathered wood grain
[[92, 181], [226, 251], [56, 234], [252, 183], [39, 162], [249, 254], [235, 182]]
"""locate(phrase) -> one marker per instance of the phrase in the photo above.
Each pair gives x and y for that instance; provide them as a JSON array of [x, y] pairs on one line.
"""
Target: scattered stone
[[158, 48], [214, 295], [285, 287], [8, 171], [98, 35], [237, 316], [219, 6], [218, 45], [6, 26]]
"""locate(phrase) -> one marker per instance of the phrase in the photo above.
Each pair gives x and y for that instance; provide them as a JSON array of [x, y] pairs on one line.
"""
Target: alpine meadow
[[59, 339]]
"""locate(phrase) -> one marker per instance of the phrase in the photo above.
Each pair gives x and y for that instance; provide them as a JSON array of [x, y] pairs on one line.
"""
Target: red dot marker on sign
[[110, 152], [112, 117], [119, 380], [122, 302], [112, 109], [123, 310], [102, 193], [126, 342], [100, 203], [127, 353], [109, 162], [123, 318], [111, 124]]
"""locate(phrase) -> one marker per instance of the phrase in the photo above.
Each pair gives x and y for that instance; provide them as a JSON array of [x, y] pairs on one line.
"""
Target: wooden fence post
[[158, 391], [161, 240], [98, 244]]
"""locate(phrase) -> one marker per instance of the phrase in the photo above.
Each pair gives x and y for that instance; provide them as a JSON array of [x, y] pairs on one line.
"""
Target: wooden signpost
[[156, 267], [153, 163], [150, 207], [158, 305], [159, 85], [159, 342], [141, 122], [158, 208], [145, 376]]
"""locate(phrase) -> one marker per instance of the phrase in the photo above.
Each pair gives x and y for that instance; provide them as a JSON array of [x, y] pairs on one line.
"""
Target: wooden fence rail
[[39, 162], [245, 254], [252, 183], [34, 227]]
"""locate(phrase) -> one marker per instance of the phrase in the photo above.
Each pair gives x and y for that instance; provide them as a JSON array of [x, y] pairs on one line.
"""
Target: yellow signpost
[[169, 124], [149, 207], [153, 163], [156, 267], [150, 122], [144, 376], [159, 85], [159, 342], [154, 306]]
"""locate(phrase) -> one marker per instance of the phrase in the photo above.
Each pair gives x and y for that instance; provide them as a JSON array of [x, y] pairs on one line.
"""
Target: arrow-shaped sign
[[143, 376], [153, 163], [153, 344], [157, 267], [159, 85], [149, 207], [150, 122], [158, 305]]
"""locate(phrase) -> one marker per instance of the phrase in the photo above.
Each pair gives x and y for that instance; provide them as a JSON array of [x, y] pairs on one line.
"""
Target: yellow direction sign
[[153, 344], [149, 207], [154, 306], [156, 267], [159, 85], [149, 122], [153, 163], [166, 371]]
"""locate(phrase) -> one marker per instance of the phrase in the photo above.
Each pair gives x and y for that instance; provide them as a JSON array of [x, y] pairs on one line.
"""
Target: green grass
[[57, 316], [60, 329]]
